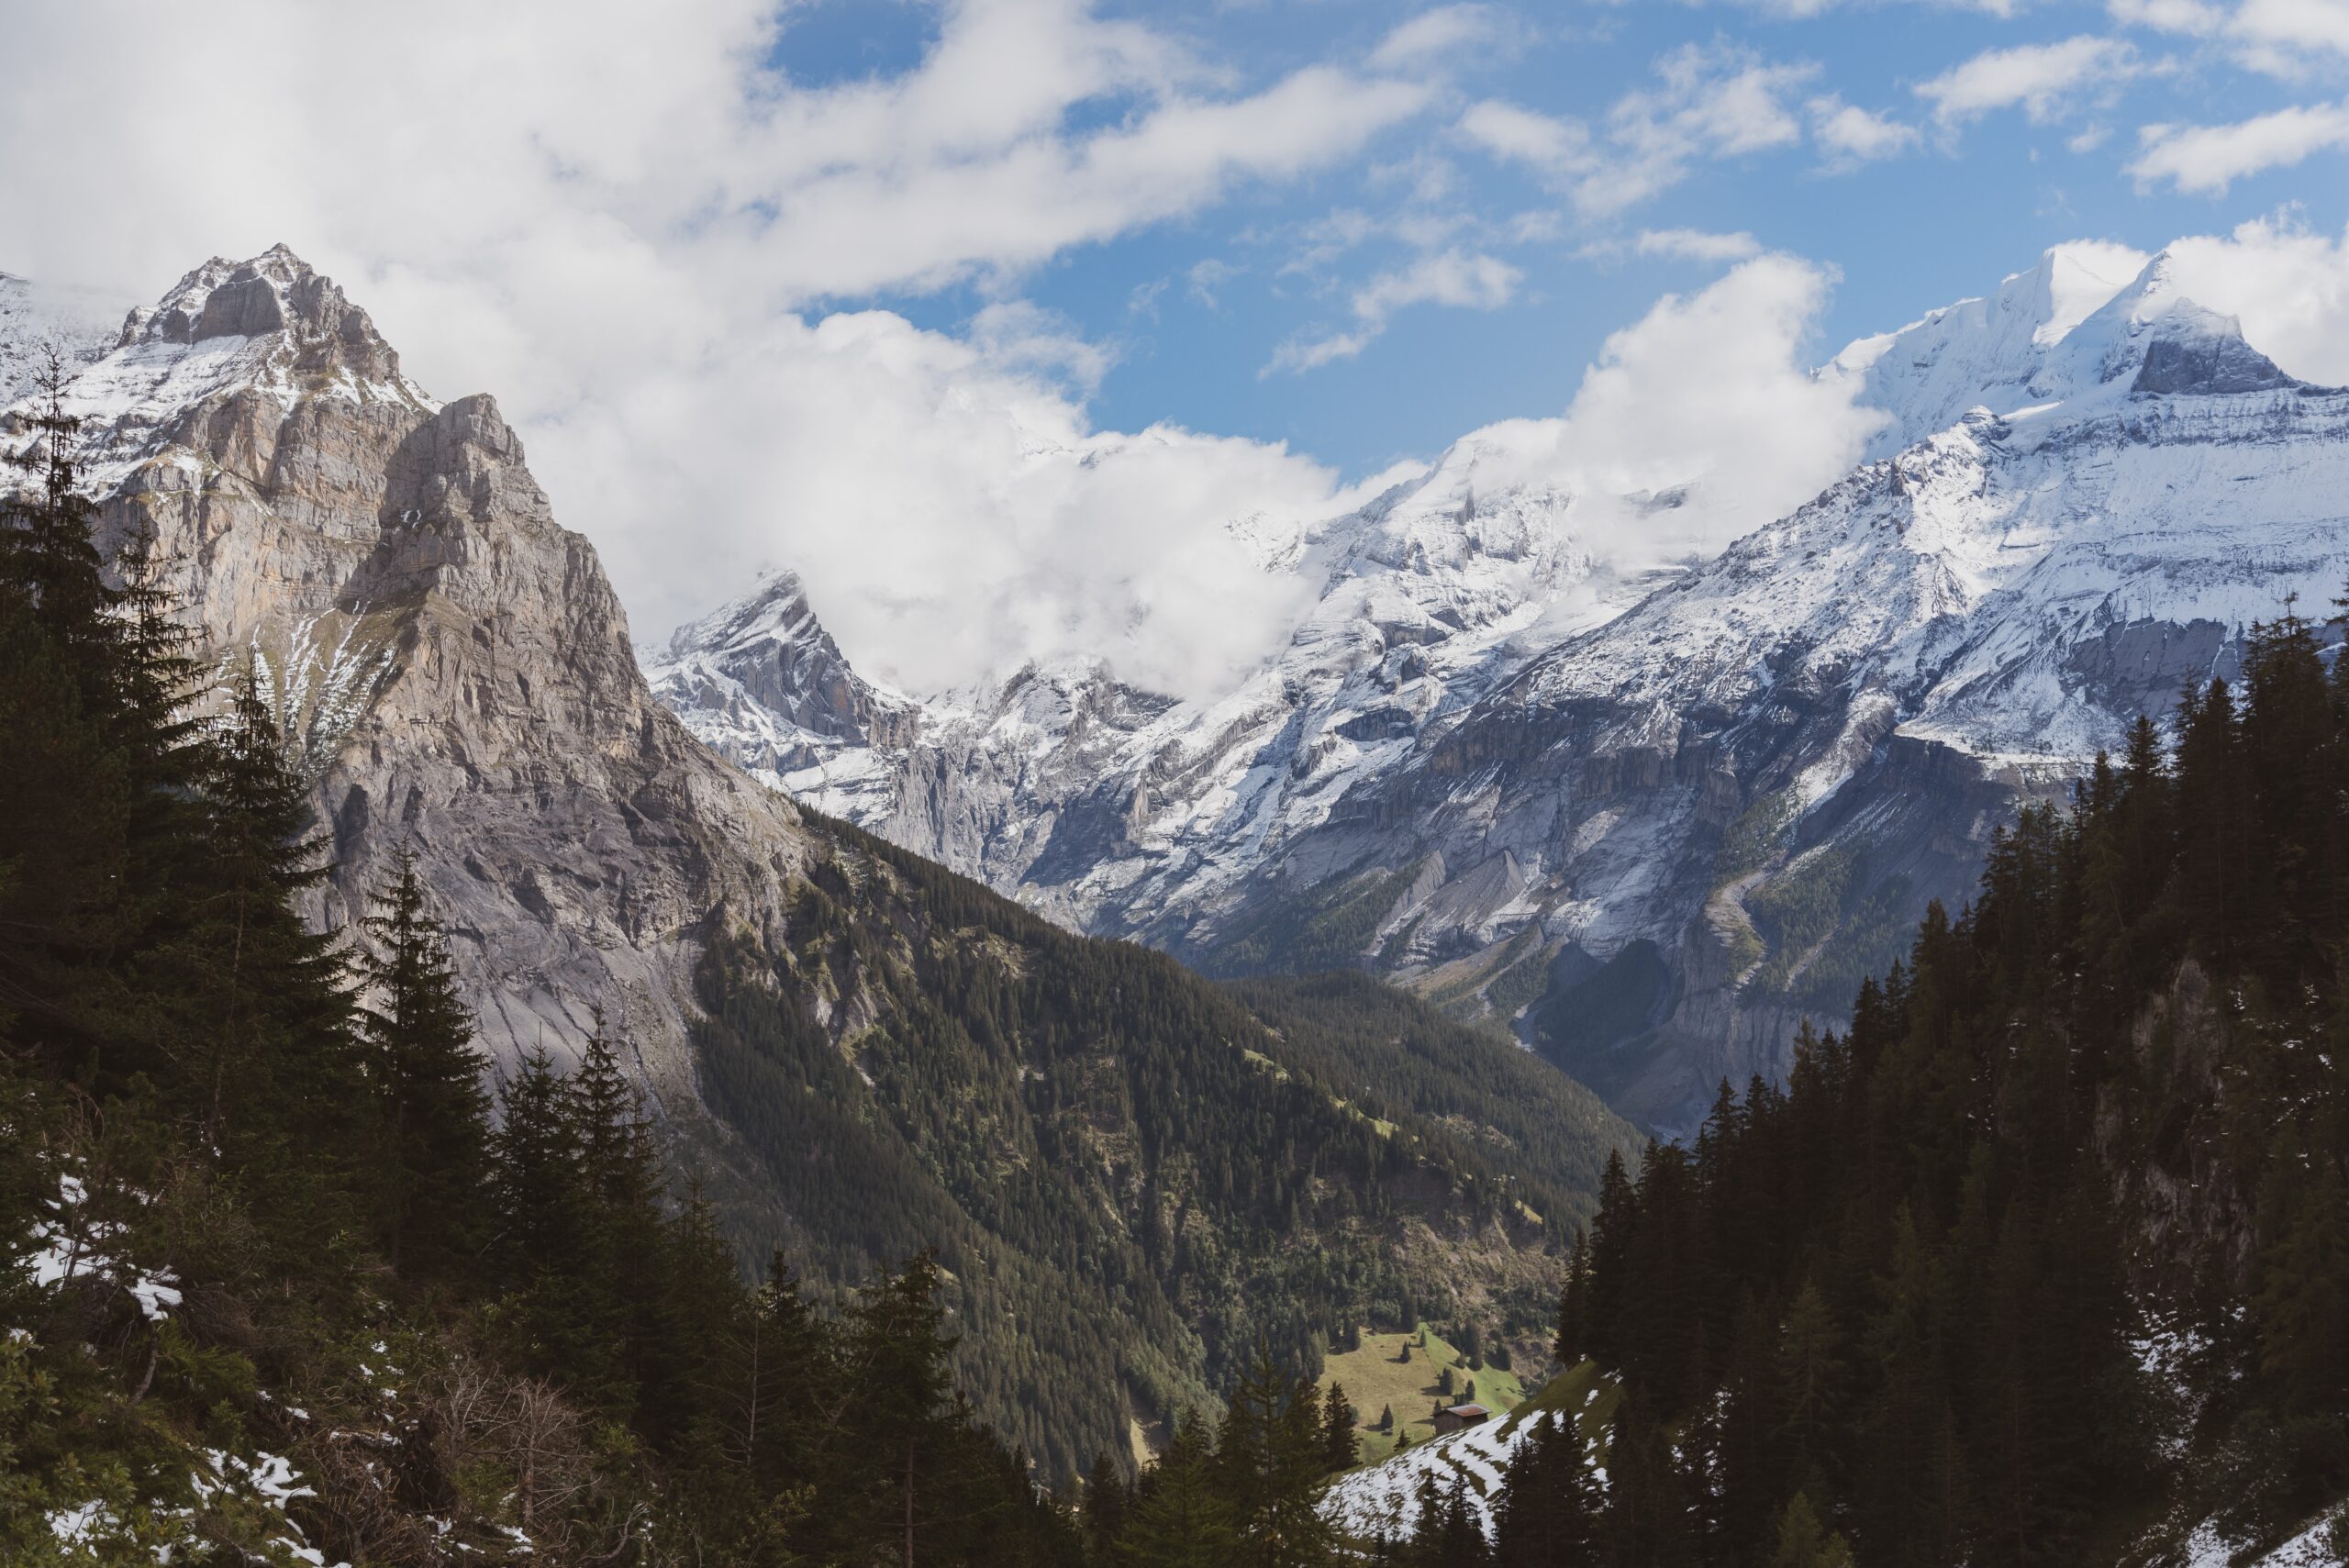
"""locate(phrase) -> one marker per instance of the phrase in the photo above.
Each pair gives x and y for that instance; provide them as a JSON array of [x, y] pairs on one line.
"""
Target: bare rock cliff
[[459, 659]]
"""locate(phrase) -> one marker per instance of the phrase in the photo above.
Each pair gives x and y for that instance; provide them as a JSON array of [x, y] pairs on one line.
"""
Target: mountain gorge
[[860, 1055], [1653, 822]]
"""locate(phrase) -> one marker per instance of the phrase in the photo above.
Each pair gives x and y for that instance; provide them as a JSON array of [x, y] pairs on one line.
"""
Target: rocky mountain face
[[1124, 811], [455, 660], [1656, 825], [1129, 1175]]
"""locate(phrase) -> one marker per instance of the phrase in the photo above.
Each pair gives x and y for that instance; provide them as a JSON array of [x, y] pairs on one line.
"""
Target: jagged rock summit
[[456, 663], [1655, 824]]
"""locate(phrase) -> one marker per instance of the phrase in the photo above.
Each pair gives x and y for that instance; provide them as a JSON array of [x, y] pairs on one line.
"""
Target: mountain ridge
[[2039, 547]]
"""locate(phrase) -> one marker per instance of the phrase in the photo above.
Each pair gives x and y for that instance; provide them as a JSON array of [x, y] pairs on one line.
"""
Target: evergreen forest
[[2046, 1259]]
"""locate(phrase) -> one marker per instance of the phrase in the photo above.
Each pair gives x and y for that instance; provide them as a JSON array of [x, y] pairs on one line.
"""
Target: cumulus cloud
[[632, 233], [952, 514], [1711, 391], [2276, 34], [2210, 157], [1804, 9], [1849, 136], [1441, 35], [2287, 285], [1450, 277], [2194, 17], [1707, 102], [2283, 38], [2043, 80]]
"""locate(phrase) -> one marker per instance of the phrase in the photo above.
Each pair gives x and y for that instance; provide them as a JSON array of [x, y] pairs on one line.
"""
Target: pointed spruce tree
[[433, 1174]]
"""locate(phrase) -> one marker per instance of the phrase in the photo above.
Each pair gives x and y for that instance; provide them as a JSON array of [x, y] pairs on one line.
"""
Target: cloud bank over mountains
[[659, 249]]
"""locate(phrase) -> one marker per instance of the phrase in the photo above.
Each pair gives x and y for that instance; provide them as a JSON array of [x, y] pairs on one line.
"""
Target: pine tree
[[1811, 1373], [1182, 1517], [1449, 1531], [782, 1362], [1339, 1447], [1548, 1511], [259, 1015], [2303, 1300], [101, 821], [621, 1168], [1106, 1505], [1571, 1342], [558, 1310], [1270, 1454], [1604, 1327], [1805, 1542], [901, 1426], [427, 1073]]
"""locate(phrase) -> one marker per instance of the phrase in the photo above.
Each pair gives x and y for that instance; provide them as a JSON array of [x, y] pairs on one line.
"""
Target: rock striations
[[1657, 824], [308, 502]]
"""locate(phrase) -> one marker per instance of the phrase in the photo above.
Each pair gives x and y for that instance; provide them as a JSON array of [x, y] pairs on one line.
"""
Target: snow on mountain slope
[[1381, 1501], [1657, 823], [81, 324], [1982, 353], [1718, 812], [1090, 797]]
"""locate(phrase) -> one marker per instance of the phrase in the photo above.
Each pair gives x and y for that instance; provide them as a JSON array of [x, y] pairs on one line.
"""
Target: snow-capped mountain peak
[[1486, 764], [1987, 352], [272, 325]]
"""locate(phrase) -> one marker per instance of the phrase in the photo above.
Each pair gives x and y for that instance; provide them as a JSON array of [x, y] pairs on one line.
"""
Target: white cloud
[[1804, 9], [1434, 37], [1696, 245], [2288, 287], [2043, 80], [1707, 103], [1711, 390], [2280, 36], [2210, 157], [1555, 147], [615, 227], [2194, 17], [1449, 277], [1019, 335], [1207, 276], [1849, 136]]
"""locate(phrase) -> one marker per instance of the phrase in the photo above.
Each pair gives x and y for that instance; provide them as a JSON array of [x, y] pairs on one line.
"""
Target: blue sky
[[1015, 326], [1195, 310]]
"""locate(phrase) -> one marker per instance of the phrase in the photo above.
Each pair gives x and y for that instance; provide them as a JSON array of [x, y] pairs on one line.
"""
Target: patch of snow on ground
[[1381, 1501]]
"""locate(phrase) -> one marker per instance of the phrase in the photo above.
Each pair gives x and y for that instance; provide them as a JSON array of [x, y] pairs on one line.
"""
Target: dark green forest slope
[[2047, 1260], [1130, 1179], [1398, 1058]]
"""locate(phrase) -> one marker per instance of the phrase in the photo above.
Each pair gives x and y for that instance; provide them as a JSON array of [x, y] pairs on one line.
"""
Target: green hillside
[[1131, 1174], [1397, 1057], [1377, 1377]]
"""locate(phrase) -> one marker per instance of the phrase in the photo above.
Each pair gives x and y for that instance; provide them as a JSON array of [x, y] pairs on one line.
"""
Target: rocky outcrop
[[308, 503]]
